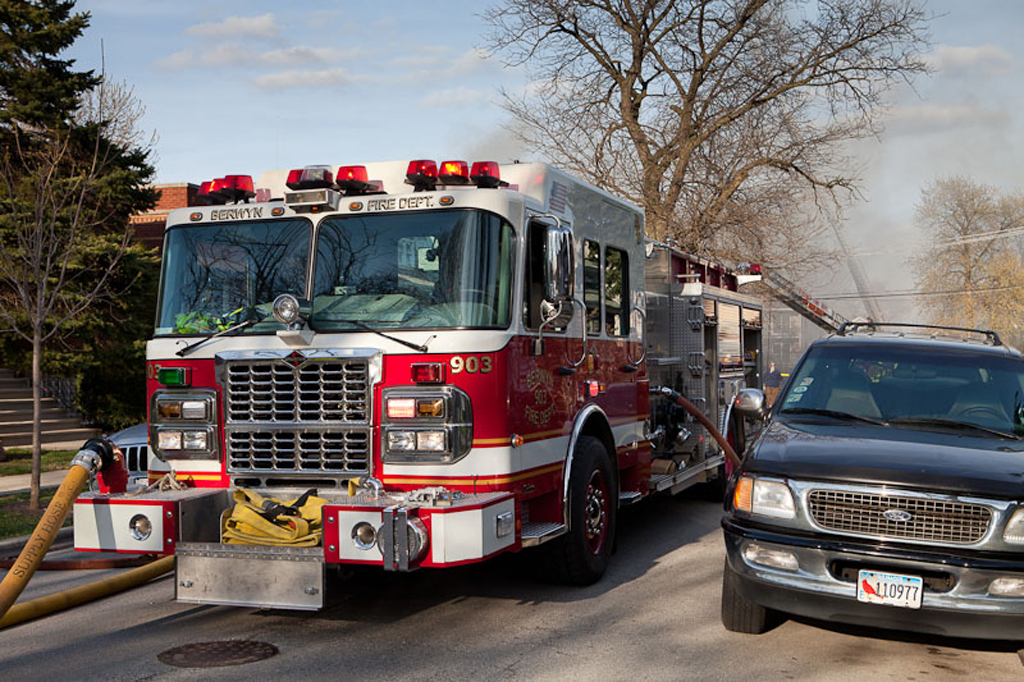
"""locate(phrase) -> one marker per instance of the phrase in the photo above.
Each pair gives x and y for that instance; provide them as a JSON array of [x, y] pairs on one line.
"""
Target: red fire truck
[[462, 360]]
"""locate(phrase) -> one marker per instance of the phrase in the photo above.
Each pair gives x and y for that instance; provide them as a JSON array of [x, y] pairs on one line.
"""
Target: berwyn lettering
[[236, 213]]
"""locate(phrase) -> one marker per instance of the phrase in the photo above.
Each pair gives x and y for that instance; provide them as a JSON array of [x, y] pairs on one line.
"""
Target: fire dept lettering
[[240, 213], [541, 382], [392, 203]]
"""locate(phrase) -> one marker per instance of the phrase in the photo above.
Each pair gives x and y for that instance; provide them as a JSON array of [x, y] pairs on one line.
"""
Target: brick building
[[149, 226]]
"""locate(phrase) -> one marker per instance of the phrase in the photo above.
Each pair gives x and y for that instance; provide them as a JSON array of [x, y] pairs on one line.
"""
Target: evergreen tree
[[67, 190]]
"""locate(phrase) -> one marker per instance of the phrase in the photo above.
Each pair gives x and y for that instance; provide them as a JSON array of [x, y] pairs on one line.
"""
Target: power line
[[912, 293]]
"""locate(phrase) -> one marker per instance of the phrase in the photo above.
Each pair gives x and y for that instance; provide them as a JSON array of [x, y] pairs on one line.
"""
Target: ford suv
[[886, 489]]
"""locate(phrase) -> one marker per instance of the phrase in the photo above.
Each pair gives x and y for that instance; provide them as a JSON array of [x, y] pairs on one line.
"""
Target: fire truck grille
[[314, 391], [899, 517], [311, 416], [296, 451]]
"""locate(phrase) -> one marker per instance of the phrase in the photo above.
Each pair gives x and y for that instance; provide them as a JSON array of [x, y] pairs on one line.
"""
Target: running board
[[534, 534], [629, 497], [679, 481]]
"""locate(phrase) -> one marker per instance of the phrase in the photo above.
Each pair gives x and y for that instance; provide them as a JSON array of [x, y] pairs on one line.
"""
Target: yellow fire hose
[[90, 459], [42, 606]]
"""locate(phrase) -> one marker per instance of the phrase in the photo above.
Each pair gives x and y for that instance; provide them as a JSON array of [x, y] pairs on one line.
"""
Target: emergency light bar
[[487, 174], [354, 180], [454, 173], [310, 177], [233, 187], [422, 175]]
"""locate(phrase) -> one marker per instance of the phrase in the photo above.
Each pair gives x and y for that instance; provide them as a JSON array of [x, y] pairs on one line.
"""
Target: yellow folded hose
[[42, 606], [253, 521], [42, 537]]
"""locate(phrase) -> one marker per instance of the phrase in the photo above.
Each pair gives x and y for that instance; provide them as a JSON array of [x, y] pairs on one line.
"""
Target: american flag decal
[[559, 197]]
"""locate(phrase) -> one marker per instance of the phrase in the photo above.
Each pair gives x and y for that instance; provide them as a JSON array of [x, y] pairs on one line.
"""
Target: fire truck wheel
[[581, 556], [740, 614]]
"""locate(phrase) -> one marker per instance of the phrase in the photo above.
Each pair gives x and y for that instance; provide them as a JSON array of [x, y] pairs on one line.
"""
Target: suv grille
[[136, 458], [930, 520], [306, 417]]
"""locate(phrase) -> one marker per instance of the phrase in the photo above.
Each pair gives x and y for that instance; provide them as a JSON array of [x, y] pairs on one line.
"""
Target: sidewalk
[[21, 483]]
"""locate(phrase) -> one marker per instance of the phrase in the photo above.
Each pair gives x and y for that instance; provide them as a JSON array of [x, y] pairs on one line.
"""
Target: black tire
[[738, 613], [581, 556]]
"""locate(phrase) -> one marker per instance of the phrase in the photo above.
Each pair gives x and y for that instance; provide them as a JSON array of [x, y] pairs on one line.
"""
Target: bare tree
[[64, 194], [720, 117], [971, 266]]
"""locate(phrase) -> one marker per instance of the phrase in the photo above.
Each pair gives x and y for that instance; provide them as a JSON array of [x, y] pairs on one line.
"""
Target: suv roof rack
[[847, 327]]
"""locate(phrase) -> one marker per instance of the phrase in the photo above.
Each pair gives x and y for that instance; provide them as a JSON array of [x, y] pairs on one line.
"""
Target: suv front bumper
[[966, 609]]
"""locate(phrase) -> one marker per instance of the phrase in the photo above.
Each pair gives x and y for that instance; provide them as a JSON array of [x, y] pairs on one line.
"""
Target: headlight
[[426, 425], [763, 497], [1014, 531], [183, 424], [286, 309]]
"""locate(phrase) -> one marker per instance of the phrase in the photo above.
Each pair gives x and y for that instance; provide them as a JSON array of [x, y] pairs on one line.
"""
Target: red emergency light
[[421, 174], [203, 197], [755, 269], [310, 177], [233, 188], [353, 180], [454, 173], [427, 373], [486, 174]]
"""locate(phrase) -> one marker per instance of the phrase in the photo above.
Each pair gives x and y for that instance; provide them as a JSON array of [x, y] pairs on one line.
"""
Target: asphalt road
[[654, 616]]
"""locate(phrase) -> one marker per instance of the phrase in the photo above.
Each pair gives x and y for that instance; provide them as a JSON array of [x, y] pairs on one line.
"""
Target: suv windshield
[[921, 387], [217, 276], [440, 269]]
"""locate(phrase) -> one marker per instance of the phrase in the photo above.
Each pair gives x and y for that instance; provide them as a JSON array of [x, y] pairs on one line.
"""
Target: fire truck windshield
[[438, 269], [217, 276]]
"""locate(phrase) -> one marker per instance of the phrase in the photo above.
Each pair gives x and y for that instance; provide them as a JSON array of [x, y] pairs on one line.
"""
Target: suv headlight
[[183, 424], [1014, 532], [426, 425], [763, 497]]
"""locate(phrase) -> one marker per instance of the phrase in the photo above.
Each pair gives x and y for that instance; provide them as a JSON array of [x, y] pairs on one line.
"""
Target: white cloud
[[295, 79], [178, 60], [454, 97], [264, 26], [988, 58], [930, 118]]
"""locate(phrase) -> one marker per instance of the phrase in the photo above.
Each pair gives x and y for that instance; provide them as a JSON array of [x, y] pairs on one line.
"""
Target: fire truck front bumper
[[423, 529]]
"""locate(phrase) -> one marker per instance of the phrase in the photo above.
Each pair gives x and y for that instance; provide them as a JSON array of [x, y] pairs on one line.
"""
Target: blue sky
[[244, 87]]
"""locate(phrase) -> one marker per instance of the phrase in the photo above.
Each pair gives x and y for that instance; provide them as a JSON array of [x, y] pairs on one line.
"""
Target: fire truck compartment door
[[245, 575]]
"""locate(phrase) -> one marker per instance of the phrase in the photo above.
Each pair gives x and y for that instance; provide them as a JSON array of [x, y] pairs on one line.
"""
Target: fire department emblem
[[543, 405]]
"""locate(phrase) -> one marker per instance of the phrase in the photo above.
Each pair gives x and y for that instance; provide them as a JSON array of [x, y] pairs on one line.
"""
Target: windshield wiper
[[832, 413], [952, 423], [223, 332], [365, 327]]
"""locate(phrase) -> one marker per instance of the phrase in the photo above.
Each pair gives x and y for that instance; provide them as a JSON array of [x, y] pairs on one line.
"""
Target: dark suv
[[887, 488]]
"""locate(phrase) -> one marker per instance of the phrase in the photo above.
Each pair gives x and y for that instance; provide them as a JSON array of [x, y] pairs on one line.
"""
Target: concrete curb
[[13, 546]]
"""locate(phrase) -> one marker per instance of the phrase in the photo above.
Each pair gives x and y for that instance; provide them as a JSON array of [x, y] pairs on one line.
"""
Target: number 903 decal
[[471, 364]]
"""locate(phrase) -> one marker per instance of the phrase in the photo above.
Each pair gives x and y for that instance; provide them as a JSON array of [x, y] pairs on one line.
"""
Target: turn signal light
[[742, 498]]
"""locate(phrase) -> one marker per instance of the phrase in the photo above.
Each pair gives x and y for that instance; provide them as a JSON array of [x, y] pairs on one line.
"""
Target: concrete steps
[[61, 430]]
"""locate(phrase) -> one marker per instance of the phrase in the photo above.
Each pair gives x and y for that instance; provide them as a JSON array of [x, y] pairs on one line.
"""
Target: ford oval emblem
[[897, 515]]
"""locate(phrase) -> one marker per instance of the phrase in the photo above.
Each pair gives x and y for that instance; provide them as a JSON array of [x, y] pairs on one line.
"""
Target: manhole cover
[[216, 654]]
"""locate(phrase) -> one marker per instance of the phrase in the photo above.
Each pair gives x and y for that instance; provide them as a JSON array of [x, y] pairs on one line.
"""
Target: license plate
[[890, 589]]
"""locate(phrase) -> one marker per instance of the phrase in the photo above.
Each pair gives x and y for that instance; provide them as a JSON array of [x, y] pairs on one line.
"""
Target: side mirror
[[750, 403], [559, 267]]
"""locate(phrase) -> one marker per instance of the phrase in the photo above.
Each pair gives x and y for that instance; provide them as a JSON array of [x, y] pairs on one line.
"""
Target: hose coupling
[[373, 484], [96, 454], [665, 391]]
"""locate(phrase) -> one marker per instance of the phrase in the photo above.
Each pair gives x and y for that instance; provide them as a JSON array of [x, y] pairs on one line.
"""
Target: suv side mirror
[[559, 266], [750, 403]]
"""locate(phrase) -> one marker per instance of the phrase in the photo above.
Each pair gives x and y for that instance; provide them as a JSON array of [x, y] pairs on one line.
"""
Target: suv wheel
[[740, 614]]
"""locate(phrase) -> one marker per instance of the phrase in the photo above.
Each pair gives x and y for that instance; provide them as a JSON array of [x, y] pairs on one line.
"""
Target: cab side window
[[536, 255], [592, 285], [616, 296]]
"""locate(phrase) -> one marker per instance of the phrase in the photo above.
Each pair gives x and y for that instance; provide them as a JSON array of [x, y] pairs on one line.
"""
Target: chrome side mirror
[[559, 266], [750, 403]]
